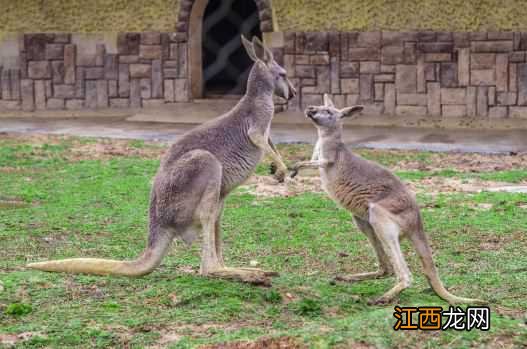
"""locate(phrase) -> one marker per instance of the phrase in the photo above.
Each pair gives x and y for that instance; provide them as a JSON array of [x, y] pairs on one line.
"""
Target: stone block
[[349, 86], [302, 59], [387, 68], [397, 38], [69, 64], [410, 52], [384, 78], [378, 94], [491, 46], [366, 39], [310, 99], [138, 71], [74, 104], [9, 105], [319, 59], [305, 71], [517, 57], [169, 90], [369, 67], [170, 64], [522, 83], [498, 112], [518, 112], [111, 67], [151, 38], [5, 83], [35, 45], [454, 111], [364, 54], [434, 98], [157, 79], [91, 94], [28, 94], [79, 83], [463, 66], [54, 51], [352, 100], [435, 47], [102, 94], [170, 73], [492, 95], [506, 98], [57, 72], [483, 77], [392, 55], [316, 41], [100, 52], [411, 99], [421, 78], [146, 88], [289, 42], [113, 89], [453, 96], [14, 75], [150, 52], [502, 69], [135, 93], [513, 79], [427, 36], [124, 81], [406, 78], [448, 75], [119, 102], [94, 73], [64, 91], [471, 100], [181, 90], [39, 70], [438, 57], [389, 99], [153, 103], [349, 69], [182, 59], [335, 76], [482, 101], [128, 43], [55, 104], [40, 94], [334, 44], [502, 35], [482, 61], [366, 87], [128, 59], [461, 39], [374, 109], [62, 38], [410, 110], [430, 72]]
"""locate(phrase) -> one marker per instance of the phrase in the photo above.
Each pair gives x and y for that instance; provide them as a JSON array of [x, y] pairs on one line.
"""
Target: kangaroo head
[[269, 72], [327, 117]]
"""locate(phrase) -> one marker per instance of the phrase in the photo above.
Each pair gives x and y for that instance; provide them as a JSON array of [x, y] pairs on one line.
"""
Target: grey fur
[[382, 206], [198, 172]]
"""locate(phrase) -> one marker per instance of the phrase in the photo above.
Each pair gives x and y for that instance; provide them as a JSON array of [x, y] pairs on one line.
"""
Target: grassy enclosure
[[72, 197]]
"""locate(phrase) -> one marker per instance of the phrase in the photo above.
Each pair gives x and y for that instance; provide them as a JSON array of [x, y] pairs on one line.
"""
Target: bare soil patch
[[266, 343]]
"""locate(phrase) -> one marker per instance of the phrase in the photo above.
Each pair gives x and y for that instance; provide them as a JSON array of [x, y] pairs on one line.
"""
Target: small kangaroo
[[382, 207], [196, 175]]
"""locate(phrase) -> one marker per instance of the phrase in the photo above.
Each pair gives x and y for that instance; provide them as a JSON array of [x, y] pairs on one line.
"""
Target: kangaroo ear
[[249, 48], [328, 102], [262, 52], [350, 111]]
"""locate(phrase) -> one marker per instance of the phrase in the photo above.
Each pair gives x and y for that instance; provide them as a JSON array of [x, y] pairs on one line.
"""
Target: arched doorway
[[226, 65], [212, 30]]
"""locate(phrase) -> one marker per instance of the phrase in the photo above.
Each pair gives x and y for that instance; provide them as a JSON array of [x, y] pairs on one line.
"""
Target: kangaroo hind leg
[[387, 230], [385, 267]]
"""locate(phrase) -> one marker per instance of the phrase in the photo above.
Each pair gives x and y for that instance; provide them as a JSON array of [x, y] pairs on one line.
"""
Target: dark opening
[[226, 65]]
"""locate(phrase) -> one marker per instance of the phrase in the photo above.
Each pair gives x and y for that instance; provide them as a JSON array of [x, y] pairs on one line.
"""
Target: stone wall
[[63, 71], [440, 74], [411, 73]]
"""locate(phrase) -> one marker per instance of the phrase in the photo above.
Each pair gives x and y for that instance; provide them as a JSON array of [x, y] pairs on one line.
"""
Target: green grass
[[98, 208]]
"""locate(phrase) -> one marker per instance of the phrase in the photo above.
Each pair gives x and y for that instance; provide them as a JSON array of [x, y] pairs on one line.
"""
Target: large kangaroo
[[382, 207], [196, 175]]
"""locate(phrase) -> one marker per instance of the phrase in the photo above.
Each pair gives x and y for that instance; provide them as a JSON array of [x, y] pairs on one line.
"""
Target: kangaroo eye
[[282, 75]]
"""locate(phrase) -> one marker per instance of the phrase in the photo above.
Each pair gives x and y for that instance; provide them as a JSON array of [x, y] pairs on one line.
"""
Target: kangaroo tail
[[422, 246], [158, 244]]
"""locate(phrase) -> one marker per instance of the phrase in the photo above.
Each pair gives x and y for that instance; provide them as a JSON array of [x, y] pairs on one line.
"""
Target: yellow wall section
[[302, 15]]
